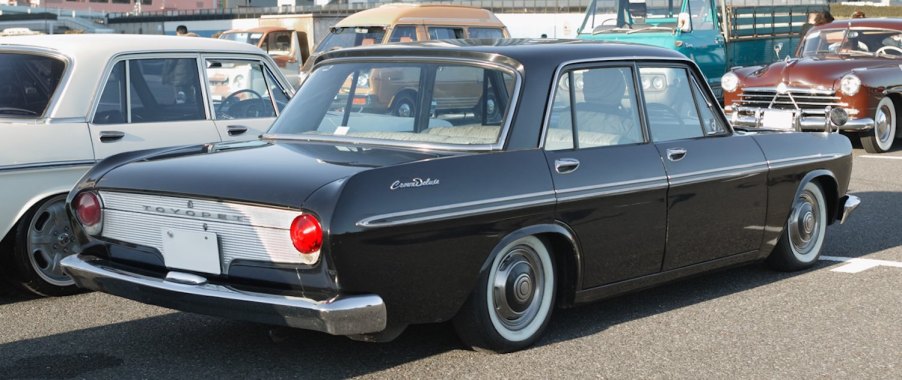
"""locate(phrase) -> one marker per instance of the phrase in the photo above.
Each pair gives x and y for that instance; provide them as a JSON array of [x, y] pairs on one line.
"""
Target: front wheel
[[43, 238], [803, 235], [511, 306], [881, 138]]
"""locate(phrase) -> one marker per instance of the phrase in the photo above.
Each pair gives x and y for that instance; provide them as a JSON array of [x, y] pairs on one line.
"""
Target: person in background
[[182, 30], [815, 19], [822, 18], [858, 14]]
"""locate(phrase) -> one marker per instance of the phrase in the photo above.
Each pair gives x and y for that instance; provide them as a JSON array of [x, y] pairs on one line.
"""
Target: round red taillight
[[306, 234], [87, 209]]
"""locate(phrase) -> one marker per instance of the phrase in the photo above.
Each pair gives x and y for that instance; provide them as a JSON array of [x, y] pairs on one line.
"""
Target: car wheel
[[881, 138], [404, 106], [511, 305], [800, 244], [43, 238]]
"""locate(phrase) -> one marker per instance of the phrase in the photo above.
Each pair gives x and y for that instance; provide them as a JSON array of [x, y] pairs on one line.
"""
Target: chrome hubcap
[[804, 224], [50, 239], [517, 287], [405, 110], [883, 125]]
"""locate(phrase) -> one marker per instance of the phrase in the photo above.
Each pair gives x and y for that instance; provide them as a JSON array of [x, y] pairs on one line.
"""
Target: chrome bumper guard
[[849, 204], [751, 117], [344, 315]]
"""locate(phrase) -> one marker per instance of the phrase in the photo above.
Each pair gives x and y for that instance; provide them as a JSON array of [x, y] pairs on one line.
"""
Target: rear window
[[27, 82]]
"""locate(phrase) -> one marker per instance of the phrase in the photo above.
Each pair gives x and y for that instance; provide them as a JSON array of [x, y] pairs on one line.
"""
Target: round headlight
[[646, 83], [850, 84], [363, 80], [658, 83], [729, 82]]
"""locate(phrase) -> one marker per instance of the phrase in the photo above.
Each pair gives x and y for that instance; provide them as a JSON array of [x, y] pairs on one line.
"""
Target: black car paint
[[425, 269]]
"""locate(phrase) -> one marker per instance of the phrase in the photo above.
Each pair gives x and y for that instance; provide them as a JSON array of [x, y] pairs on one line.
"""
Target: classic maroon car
[[850, 65]]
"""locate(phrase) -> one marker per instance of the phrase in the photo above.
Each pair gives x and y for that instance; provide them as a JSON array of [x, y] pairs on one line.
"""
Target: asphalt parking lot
[[838, 320]]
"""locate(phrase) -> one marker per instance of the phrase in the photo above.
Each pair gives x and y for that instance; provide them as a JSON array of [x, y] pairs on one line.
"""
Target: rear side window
[[445, 33], [405, 33], [166, 89], [490, 33], [27, 83]]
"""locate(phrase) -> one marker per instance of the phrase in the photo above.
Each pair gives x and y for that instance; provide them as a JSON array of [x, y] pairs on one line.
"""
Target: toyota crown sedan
[[611, 169], [68, 101]]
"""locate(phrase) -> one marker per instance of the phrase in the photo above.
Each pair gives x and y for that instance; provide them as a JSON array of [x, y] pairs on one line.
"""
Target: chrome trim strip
[[793, 90], [719, 176], [614, 191], [47, 165], [462, 209], [498, 145], [611, 185], [342, 315], [793, 161]]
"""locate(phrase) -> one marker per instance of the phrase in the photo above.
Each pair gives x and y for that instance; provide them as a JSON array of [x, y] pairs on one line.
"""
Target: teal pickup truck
[[716, 34]]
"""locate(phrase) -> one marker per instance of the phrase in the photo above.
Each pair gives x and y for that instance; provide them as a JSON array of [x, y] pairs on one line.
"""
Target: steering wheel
[[19, 110], [883, 50], [232, 100]]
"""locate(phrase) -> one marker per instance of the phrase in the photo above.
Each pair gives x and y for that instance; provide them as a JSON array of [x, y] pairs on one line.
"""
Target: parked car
[[401, 22], [67, 101], [360, 223], [287, 47], [852, 65]]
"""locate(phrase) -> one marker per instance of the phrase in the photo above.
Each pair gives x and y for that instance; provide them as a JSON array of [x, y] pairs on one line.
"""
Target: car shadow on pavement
[[875, 226]]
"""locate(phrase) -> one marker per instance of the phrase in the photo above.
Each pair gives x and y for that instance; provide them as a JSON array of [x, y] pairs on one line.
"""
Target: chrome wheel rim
[[517, 289], [50, 238], [805, 225], [405, 109]]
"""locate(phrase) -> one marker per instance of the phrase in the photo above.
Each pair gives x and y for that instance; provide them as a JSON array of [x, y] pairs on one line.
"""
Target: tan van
[[408, 23]]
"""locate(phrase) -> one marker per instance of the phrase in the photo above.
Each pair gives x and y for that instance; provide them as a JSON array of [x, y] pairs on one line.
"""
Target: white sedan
[[68, 101]]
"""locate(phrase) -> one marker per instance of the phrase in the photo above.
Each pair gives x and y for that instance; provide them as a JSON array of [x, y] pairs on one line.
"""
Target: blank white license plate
[[778, 119], [191, 250]]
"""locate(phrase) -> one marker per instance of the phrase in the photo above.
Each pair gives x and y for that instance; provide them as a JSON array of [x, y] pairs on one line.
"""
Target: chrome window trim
[[464, 209], [61, 87], [47, 165], [631, 61], [502, 135]]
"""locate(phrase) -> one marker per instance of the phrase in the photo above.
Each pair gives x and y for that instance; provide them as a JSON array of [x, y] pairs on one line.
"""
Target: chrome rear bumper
[[344, 315]]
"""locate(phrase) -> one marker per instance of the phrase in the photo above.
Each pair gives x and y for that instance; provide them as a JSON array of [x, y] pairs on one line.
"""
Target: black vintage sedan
[[527, 175]]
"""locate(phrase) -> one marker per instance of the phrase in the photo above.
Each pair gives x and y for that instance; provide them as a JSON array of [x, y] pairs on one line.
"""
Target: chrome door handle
[[235, 130], [566, 165], [676, 154], [110, 136]]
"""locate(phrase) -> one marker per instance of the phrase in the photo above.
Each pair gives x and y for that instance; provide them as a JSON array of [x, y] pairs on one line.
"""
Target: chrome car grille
[[245, 232], [810, 101]]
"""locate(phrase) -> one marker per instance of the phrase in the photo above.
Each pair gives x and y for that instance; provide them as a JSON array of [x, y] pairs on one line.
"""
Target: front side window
[[598, 106], [27, 83], [278, 43], [669, 104], [445, 33], [350, 37], [403, 103], [403, 33], [239, 89], [165, 89], [490, 33], [867, 42]]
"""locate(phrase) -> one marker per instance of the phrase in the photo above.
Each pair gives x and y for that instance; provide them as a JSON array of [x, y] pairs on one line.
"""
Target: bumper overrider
[[849, 204], [342, 315]]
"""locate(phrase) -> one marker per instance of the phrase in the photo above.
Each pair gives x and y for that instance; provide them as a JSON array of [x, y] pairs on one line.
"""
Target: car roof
[[529, 52], [436, 14], [259, 29], [880, 23], [103, 46]]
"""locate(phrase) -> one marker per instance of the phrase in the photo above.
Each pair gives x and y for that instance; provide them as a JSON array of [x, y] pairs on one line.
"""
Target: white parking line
[[855, 265], [884, 157]]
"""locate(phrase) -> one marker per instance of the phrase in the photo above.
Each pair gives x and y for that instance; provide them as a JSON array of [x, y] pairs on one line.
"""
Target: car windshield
[[866, 42], [27, 83], [248, 38], [350, 37], [631, 16], [450, 104]]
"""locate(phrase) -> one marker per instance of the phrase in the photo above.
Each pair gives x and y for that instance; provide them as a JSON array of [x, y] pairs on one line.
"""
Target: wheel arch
[[564, 248], [897, 104], [9, 232], [827, 181]]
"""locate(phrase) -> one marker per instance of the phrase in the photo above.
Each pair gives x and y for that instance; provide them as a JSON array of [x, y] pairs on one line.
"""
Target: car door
[[150, 102], [245, 96], [610, 184], [717, 197]]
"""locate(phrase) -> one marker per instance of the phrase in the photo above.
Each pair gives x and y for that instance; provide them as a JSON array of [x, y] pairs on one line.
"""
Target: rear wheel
[[43, 238], [404, 105], [511, 306], [881, 138], [803, 236]]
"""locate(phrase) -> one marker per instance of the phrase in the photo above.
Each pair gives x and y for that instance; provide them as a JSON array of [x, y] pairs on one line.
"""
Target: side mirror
[[777, 48]]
